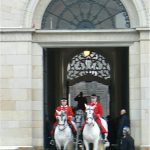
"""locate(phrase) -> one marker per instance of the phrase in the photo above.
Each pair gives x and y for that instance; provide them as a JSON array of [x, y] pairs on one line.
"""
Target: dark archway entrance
[[56, 85]]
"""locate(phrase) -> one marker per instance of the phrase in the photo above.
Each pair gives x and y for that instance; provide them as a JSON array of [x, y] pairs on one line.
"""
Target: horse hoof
[[104, 141]]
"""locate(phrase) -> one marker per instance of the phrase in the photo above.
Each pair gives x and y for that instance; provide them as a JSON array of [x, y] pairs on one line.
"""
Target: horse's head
[[62, 118], [89, 114]]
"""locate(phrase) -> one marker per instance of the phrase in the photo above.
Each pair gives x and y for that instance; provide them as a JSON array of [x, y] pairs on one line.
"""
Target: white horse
[[91, 131], [63, 134]]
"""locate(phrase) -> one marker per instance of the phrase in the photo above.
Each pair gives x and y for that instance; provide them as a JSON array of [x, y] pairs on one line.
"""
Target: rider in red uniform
[[69, 113], [98, 112]]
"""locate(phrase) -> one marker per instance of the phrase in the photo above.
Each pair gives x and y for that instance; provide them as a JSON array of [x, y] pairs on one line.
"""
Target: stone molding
[[21, 148], [59, 38], [16, 147], [88, 38], [16, 34], [144, 34]]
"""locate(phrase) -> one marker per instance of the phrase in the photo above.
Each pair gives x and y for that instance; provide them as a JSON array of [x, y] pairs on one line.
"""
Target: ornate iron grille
[[85, 14], [94, 64]]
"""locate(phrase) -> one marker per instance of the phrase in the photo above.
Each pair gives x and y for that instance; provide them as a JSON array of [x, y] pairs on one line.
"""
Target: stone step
[[16, 147]]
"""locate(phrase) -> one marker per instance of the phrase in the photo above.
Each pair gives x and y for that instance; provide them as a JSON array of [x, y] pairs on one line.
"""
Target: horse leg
[[86, 145], [101, 145], [65, 146], [68, 145], [95, 145], [58, 146]]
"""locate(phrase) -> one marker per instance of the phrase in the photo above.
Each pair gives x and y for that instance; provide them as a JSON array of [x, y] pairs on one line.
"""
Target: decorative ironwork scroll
[[94, 64], [85, 14]]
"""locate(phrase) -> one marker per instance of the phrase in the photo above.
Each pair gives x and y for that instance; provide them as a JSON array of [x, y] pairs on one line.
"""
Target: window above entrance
[[94, 64], [85, 14]]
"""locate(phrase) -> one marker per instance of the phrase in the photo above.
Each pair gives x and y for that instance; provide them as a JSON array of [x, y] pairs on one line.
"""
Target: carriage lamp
[[86, 53]]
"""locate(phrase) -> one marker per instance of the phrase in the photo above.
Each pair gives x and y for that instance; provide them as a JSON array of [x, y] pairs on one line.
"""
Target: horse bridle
[[92, 118], [62, 125]]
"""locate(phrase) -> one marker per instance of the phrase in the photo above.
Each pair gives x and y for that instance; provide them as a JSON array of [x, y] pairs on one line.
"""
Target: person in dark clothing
[[123, 121], [127, 142], [81, 101]]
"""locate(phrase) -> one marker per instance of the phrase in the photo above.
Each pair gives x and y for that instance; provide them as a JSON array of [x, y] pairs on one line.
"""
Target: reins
[[90, 117], [64, 125]]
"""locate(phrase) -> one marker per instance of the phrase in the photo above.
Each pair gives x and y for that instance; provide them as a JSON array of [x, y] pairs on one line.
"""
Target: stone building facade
[[21, 68]]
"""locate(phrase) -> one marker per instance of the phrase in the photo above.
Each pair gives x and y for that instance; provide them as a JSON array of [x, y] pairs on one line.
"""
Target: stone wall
[[16, 90], [21, 71], [21, 89]]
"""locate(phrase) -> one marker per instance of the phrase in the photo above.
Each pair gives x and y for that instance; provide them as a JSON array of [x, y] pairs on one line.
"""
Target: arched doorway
[[89, 72], [56, 82], [98, 38]]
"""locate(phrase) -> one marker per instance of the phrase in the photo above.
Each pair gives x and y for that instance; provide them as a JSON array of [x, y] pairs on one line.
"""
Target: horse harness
[[62, 125], [92, 116]]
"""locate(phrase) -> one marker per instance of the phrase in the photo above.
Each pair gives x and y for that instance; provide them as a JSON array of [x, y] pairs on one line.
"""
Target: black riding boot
[[74, 136], [80, 139], [52, 141], [104, 137]]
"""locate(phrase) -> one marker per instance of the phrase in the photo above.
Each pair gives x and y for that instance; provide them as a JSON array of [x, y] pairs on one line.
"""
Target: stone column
[[145, 87], [134, 90], [37, 96]]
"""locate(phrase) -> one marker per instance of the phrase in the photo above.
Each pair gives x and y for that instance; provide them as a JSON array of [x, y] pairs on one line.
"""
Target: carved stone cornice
[[67, 38], [74, 38]]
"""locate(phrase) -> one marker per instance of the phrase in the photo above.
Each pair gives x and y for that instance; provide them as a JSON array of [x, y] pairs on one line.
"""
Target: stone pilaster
[[145, 87], [15, 88], [134, 88], [37, 95]]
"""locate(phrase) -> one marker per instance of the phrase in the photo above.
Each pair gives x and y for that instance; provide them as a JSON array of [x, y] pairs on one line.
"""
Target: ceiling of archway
[[85, 14]]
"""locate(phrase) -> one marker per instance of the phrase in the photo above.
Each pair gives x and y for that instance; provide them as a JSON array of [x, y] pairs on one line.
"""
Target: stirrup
[[52, 142], [80, 142], [105, 140]]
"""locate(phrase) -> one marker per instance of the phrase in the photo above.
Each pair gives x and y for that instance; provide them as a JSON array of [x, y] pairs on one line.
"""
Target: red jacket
[[98, 111], [67, 109]]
